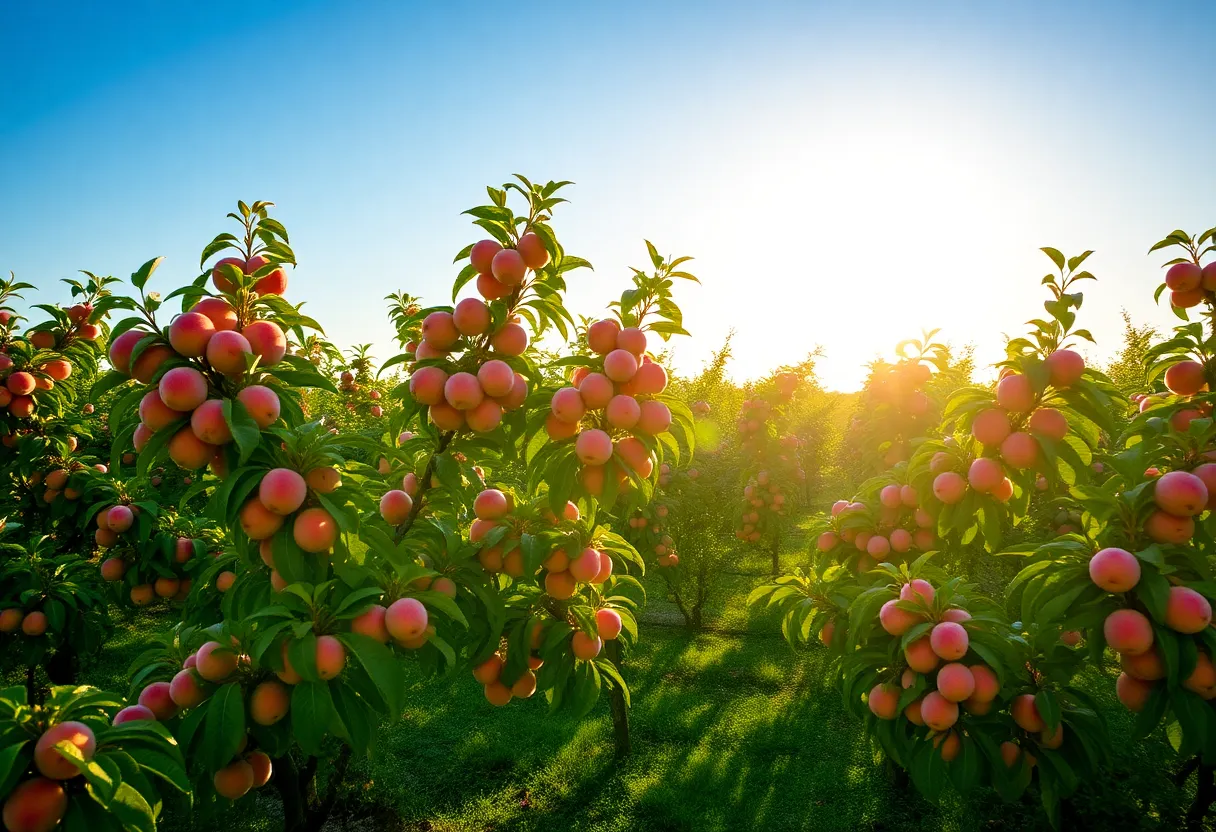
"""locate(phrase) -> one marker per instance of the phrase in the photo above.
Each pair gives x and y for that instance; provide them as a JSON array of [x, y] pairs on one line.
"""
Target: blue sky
[[845, 175]]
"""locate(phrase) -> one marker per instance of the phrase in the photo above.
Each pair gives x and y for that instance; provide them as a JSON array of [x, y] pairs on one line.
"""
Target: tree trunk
[[286, 779], [616, 698], [303, 808], [776, 552], [1205, 795]]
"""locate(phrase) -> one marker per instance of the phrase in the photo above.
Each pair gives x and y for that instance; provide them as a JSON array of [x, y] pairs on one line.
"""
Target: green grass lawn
[[731, 730]]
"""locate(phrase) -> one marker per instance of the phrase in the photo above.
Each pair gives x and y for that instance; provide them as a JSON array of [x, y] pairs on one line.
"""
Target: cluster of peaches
[[404, 622], [1185, 378], [938, 660], [900, 407], [66, 479], [282, 495], [348, 385], [583, 646], [32, 623], [17, 394], [648, 522], [209, 352], [1190, 284], [762, 495], [1017, 406], [900, 525], [171, 582], [606, 408]]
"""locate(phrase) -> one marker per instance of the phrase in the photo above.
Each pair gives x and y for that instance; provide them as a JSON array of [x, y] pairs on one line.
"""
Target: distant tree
[[1128, 370]]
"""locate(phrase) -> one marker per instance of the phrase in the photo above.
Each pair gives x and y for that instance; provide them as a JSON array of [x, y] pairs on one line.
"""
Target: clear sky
[[845, 174]]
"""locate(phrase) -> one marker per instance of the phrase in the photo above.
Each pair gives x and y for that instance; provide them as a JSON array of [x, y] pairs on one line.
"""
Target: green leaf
[[245, 431], [312, 709], [381, 666], [224, 726]]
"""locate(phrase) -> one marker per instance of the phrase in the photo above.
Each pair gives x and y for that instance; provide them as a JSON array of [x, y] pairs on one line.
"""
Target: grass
[[731, 730]]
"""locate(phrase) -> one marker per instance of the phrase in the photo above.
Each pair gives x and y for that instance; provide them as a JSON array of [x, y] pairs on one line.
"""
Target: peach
[[314, 530], [445, 417], [262, 767], [1114, 569], [585, 647], [188, 451], [222, 282], [471, 317], [273, 282], [482, 255], [119, 519], [427, 385], [208, 423], [463, 391], [225, 580], [586, 566], [52, 763], [1186, 611], [938, 712], [142, 595], [918, 588], [901, 540], [491, 504], [155, 697], [567, 405], [371, 624], [884, 701], [1133, 693], [602, 336], [426, 350], [1203, 678], [608, 623], [827, 541], [620, 365], [1164, 527], [510, 340], [234, 780], [650, 379], [532, 249], [167, 587], [1180, 493], [878, 547], [269, 703], [261, 403], [955, 682], [21, 384], [257, 521], [1128, 631], [331, 657], [226, 352], [498, 694], [439, 330], [267, 341], [134, 713], [623, 412], [406, 619], [987, 686], [395, 507], [36, 805], [920, 656], [1186, 378], [560, 585], [488, 671], [121, 347], [1014, 393], [215, 662], [491, 289], [593, 447], [1209, 277], [181, 389], [984, 475], [1065, 368], [655, 418], [496, 378], [1021, 450], [282, 491], [1049, 422], [1026, 713], [57, 369], [1207, 473], [112, 569], [635, 455], [633, 340], [508, 267], [34, 624], [1147, 666], [1183, 277], [149, 362], [189, 334], [219, 311], [186, 690], [949, 487], [949, 640], [596, 391], [895, 620], [519, 393]]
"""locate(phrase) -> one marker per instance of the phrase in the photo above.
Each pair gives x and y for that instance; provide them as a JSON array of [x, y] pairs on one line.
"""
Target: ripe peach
[[567, 405], [406, 619], [219, 311], [920, 656], [1183, 277], [511, 339], [1180, 493], [395, 507], [949, 487], [36, 805], [491, 289], [623, 412], [427, 385], [52, 763], [884, 701], [189, 334], [155, 697], [424, 351], [895, 620], [1014, 393], [267, 341], [262, 404], [257, 521], [984, 475], [1020, 450], [142, 595], [1026, 713], [987, 686], [186, 690], [269, 703], [1128, 631], [119, 519], [439, 330], [532, 249], [635, 455], [331, 657], [620, 365], [167, 587], [208, 423], [134, 713], [1049, 422], [508, 267], [314, 530], [234, 780], [1203, 678], [586, 566], [655, 418], [1209, 277], [121, 347], [482, 255], [145, 367], [21, 384], [1187, 611], [955, 682], [188, 451], [602, 335], [498, 694], [918, 588], [650, 379], [262, 767], [878, 547], [938, 712], [596, 391], [496, 378], [180, 390], [585, 647], [1164, 527], [222, 282], [608, 623], [1065, 368], [215, 662], [226, 352], [471, 317], [445, 417], [633, 340], [1147, 666], [519, 393], [273, 282], [491, 504], [371, 624], [1186, 378], [560, 585], [1114, 569], [1133, 693], [949, 640], [593, 447], [958, 616], [282, 491]]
